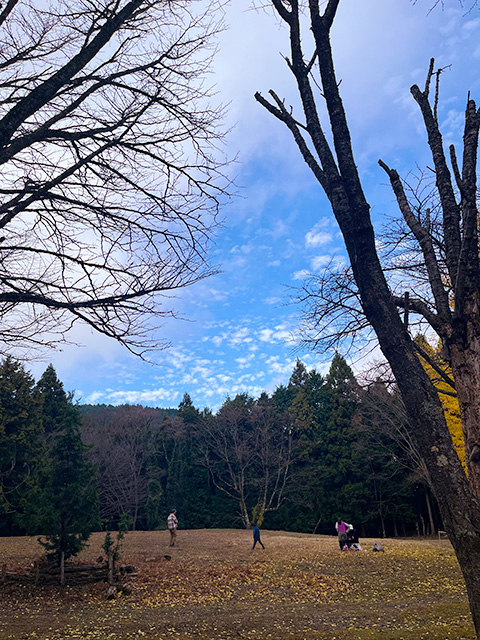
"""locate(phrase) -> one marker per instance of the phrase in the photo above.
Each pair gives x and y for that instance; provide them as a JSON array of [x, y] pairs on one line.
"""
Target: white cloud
[[274, 300], [217, 294], [315, 238], [245, 361], [283, 335], [177, 358], [301, 275], [217, 340], [146, 397], [280, 333], [276, 366], [94, 397], [318, 262], [240, 336], [265, 335]]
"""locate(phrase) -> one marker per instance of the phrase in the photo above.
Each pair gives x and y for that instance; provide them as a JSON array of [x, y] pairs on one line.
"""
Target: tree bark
[[111, 567], [464, 351], [430, 514], [335, 169], [62, 568]]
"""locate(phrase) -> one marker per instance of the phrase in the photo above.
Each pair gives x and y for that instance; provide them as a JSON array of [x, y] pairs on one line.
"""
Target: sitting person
[[352, 537]]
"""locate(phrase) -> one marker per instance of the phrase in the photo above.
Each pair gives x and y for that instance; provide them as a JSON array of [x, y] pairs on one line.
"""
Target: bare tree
[[248, 449], [273, 448], [228, 454], [383, 418], [121, 449], [111, 175], [332, 314], [388, 447], [454, 310]]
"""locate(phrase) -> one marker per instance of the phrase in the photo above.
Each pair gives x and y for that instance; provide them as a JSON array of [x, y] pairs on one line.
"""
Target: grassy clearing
[[215, 587]]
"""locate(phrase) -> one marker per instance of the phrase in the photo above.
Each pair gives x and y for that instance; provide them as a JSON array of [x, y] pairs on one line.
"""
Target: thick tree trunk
[[464, 353], [457, 503], [335, 169]]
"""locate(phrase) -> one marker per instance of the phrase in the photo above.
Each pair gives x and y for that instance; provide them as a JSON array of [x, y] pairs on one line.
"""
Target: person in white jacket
[[172, 524]]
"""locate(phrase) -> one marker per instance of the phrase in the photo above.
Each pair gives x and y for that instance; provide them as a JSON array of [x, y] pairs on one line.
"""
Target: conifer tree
[[187, 411], [20, 433], [342, 493], [192, 478], [55, 406], [301, 404], [65, 510], [305, 397]]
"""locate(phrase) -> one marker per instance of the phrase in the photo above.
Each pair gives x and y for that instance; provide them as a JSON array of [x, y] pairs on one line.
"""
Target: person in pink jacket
[[342, 528]]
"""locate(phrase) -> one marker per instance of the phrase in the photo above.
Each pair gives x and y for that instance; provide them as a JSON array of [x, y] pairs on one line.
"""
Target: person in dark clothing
[[256, 537], [352, 537]]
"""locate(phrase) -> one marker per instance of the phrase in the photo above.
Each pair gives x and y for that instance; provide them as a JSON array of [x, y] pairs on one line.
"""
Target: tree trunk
[[62, 568], [111, 567], [382, 524], [430, 513], [244, 514], [465, 365], [335, 168], [458, 505], [422, 520]]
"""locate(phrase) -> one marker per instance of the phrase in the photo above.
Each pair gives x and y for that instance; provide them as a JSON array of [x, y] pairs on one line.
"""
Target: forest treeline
[[317, 448]]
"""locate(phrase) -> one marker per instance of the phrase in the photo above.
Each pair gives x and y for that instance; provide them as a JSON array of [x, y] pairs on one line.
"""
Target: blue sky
[[239, 335]]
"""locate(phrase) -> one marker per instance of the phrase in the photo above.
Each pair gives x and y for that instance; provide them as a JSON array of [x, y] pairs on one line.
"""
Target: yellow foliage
[[449, 402]]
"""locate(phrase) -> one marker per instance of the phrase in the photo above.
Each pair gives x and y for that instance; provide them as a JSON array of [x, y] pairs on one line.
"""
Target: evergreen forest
[[318, 448]]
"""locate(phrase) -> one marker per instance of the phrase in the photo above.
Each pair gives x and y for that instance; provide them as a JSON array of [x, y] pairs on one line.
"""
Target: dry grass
[[215, 587]]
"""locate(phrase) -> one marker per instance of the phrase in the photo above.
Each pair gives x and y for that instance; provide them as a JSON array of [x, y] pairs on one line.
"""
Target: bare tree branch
[[111, 169]]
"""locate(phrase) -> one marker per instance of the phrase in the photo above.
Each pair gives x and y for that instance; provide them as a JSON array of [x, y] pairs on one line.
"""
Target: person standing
[[256, 537], [172, 524], [342, 528]]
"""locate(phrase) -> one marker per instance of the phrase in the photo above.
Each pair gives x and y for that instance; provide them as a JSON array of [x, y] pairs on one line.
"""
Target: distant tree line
[[316, 449]]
